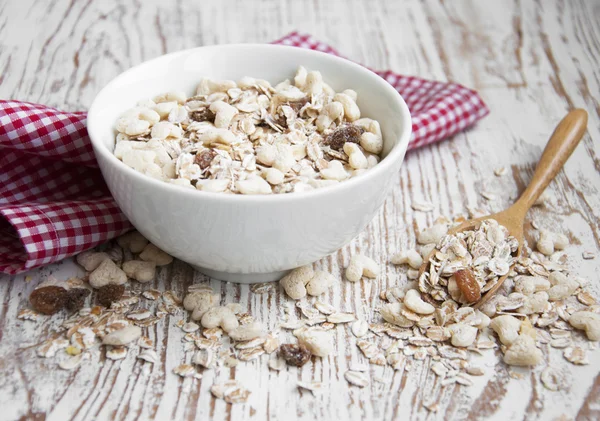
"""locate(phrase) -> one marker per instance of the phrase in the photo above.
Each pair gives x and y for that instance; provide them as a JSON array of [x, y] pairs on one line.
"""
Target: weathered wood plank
[[530, 60]]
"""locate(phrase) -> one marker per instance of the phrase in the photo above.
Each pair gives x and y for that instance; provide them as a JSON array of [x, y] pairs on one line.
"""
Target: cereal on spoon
[[249, 137]]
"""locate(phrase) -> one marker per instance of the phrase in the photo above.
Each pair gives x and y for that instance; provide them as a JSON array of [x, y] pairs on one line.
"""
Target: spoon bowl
[[562, 143]]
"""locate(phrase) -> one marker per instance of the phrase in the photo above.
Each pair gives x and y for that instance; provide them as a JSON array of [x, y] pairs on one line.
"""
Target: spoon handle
[[564, 139]]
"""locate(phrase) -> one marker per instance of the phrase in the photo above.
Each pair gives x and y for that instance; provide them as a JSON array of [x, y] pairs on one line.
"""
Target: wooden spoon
[[563, 141]]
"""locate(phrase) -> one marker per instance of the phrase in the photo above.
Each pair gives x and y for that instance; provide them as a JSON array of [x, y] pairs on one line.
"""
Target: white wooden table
[[531, 62]]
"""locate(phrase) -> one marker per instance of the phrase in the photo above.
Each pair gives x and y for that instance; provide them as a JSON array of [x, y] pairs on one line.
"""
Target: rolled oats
[[251, 138], [356, 378]]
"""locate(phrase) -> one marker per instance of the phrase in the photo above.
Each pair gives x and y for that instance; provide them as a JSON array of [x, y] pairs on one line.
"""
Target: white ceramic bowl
[[248, 238]]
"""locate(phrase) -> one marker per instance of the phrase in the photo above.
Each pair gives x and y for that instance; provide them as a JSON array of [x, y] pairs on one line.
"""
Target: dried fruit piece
[[48, 300], [296, 355], [341, 135], [109, 294], [298, 104], [204, 114], [76, 298], [204, 158], [465, 279]]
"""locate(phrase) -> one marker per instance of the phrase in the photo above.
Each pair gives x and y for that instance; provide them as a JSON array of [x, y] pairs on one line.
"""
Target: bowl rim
[[396, 153]]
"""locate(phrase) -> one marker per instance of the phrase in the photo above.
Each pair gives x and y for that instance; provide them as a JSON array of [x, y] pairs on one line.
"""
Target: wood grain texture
[[530, 60]]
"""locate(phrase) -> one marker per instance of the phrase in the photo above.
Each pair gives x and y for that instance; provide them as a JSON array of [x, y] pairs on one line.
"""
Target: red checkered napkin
[[54, 202]]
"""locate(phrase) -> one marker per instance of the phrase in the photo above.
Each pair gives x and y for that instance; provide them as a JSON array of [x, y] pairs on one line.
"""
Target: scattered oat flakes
[[149, 355], [205, 358], [422, 206], [230, 391], [315, 387], [262, 288], [72, 362], [271, 343], [187, 370], [325, 308], [27, 314], [231, 362], [151, 294], [588, 255], [250, 354], [116, 353], [190, 327], [499, 172], [475, 371], [551, 379], [586, 298], [141, 314], [341, 318], [576, 355], [360, 328], [277, 364], [488, 196], [431, 407], [356, 378]]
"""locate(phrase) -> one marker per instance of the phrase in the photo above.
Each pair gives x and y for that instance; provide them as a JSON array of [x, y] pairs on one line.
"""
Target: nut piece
[[392, 313], [528, 285], [466, 282], [433, 234], [140, 270], [294, 283], [108, 294], [318, 342], [463, 335], [361, 265], [90, 259], [535, 304], [506, 327], [48, 300], [413, 301], [588, 321], [412, 257], [523, 352], [199, 302], [107, 273], [319, 283], [296, 355], [247, 332], [133, 241], [151, 253], [220, 317], [123, 336]]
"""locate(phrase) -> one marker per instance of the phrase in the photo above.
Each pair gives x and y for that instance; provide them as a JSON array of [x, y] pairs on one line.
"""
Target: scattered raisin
[[109, 294], [341, 135], [204, 114], [296, 355], [204, 158], [298, 104], [76, 298], [466, 282], [48, 300]]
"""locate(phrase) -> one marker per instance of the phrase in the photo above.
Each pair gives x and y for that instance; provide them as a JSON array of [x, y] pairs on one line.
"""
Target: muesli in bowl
[[249, 137]]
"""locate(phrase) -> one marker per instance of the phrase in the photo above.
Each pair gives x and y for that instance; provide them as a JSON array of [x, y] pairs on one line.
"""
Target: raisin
[[109, 294], [296, 355], [298, 104], [204, 114], [48, 300], [76, 298], [204, 158], [341, 135], [466, 282]]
